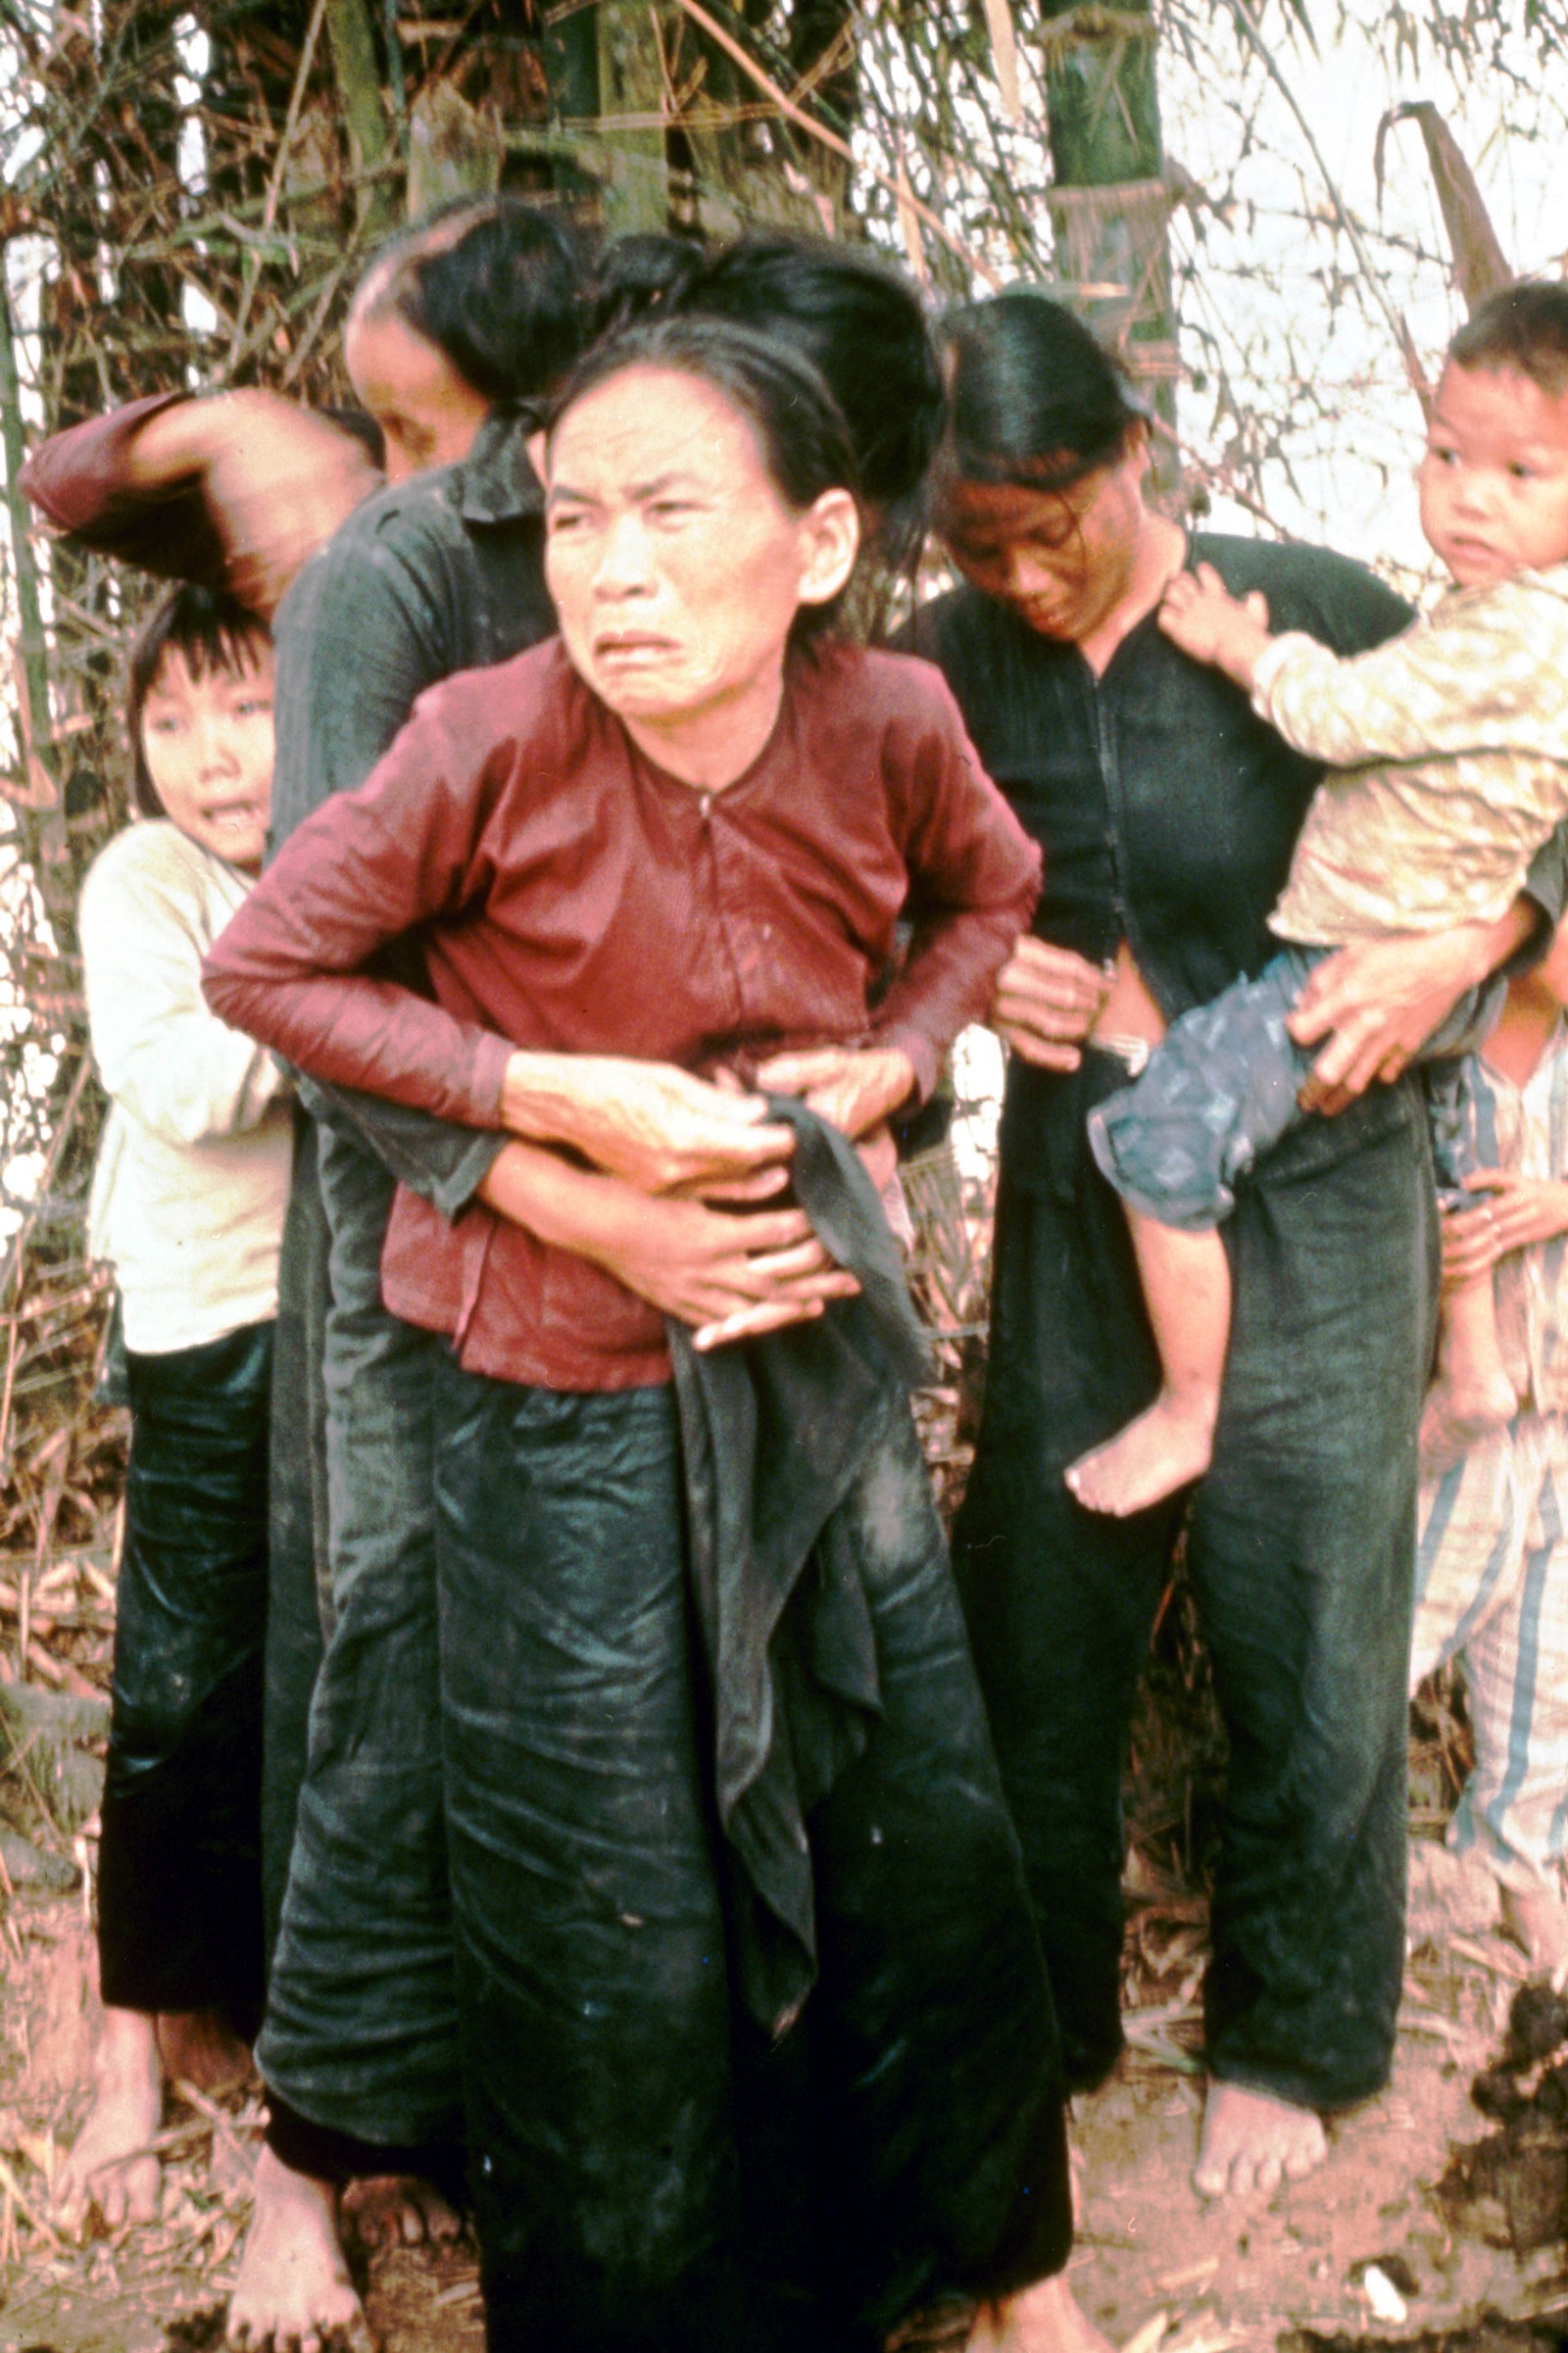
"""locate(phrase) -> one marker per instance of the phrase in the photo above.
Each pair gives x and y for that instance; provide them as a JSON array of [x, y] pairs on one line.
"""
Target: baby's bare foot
[[294, 2288], [1538, 1921], [1163, 1449], [392, 2210], [1042, 2319], [114, 2164], [1255, 2141]]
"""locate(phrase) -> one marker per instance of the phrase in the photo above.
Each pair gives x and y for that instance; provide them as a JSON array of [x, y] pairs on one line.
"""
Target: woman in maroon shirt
[[685, 832]]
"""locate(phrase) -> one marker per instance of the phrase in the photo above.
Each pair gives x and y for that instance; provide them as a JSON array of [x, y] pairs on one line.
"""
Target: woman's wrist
[[541, 1097], [898, 1086], [574, 1208]]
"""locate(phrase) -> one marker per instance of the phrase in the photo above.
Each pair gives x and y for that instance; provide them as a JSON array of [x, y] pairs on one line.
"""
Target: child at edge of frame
[[1491, 1560], [1447, 751], [187, 1203]]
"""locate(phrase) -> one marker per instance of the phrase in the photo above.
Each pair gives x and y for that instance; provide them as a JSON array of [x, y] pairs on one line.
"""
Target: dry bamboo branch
[[1341, 212], [841, 147], [253, 266]]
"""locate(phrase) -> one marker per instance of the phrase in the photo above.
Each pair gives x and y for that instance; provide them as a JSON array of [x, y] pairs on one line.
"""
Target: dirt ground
[[1156, 2265]]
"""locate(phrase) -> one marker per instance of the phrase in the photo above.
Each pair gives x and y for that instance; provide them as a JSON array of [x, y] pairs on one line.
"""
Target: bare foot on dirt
[[294, 2289], [1163, 1449], [1455, 1419], [1255, 2141], [1042, 2319], [1537, 1923], [200, 2047], [392, 2210], [114, 2164]]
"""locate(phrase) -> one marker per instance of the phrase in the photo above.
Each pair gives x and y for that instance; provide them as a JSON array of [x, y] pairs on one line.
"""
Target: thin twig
[[841, 147], [253, 262], [25, 2207], [1260, 48]]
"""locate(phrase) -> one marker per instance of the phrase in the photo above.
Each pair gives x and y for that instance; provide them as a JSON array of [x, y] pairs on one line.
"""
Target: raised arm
[[232, 491], [1491, 670]]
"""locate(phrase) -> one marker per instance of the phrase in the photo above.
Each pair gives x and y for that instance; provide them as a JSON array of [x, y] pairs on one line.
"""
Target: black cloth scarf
[[775, 1432]]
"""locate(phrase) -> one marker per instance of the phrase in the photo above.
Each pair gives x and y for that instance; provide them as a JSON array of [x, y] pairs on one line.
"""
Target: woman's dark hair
[[1525, 327], [214, 631], [859, 326], [1033, 399], [634, 275], [495, 285], [805, 442]]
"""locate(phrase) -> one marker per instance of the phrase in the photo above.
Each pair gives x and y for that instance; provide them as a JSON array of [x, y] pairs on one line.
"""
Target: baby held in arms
[[1447, 758]]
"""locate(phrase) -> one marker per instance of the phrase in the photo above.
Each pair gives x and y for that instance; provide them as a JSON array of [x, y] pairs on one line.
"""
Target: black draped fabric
[[774, 1436], [873, 1884]]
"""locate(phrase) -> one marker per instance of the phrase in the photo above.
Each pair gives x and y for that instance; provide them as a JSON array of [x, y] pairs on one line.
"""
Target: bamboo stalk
[[30, 615], [4, 1398]]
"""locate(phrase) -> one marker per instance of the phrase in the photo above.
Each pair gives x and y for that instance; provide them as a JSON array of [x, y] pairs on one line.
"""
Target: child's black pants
[[179, 1922]]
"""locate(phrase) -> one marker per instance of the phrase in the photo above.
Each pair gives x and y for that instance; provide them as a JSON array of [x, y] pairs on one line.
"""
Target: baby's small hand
[[1199, 615]]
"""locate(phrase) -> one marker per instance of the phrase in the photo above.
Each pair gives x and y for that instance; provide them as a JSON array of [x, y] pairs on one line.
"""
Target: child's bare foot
[[1456, 1417], [1255, 2141], [114, 2164], [1163, 1449], [392, 2210], [200, 2047], [294, 2289], [1537, 1923], [1042, 2319]]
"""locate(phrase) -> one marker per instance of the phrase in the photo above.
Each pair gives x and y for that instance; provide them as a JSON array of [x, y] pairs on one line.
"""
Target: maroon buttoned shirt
[[571, 897]]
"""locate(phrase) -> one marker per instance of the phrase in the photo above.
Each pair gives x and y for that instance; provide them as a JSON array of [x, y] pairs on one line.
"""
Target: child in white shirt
[[188, 1202]]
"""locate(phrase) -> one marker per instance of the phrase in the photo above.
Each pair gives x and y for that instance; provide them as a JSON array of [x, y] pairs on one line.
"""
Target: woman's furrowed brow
[[656, 486]]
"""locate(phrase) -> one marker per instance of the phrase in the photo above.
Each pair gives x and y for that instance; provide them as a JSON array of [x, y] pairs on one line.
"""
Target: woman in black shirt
[[1168, 812]]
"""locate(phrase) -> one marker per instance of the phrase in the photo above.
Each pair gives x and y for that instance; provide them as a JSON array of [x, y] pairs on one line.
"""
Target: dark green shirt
[[441, 574]]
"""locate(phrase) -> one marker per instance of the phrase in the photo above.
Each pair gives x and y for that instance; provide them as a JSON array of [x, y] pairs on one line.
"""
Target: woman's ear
[[830, 541], [537, 446]]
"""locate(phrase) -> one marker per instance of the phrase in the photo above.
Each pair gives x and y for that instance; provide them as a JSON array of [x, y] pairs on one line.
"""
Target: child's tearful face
[[208, 742], [1494, 477]]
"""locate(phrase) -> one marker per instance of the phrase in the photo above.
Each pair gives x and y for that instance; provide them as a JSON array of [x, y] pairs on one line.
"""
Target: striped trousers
[[1491, 1589]]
